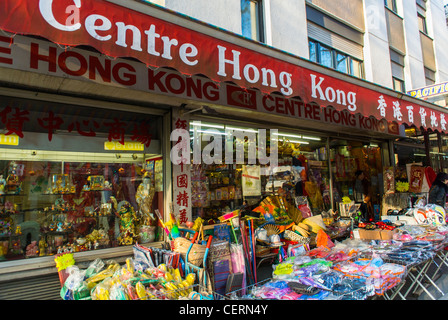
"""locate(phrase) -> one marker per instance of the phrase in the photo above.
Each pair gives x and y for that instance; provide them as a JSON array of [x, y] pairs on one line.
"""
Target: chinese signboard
[[181, 173], [30, 54], [122, 32]]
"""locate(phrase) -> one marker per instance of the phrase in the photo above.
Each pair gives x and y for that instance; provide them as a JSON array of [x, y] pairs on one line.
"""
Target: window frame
[[391, 5], [422, 26], [256, 19], [317, 46], [399, 81]]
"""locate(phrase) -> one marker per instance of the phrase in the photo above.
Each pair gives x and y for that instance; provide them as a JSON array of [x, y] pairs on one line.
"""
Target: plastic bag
[[75, 278], [94, 267], [323, 240]]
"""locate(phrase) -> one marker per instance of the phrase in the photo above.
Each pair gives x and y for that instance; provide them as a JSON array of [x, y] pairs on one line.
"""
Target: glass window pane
[[341, 62], [347, 157], [326, 56], [422, 23], [80, 187], [313, 51], [444, 152], [355, 68], [398, 85], [251, 20], [391, 4], [220, 188], [434, 153]]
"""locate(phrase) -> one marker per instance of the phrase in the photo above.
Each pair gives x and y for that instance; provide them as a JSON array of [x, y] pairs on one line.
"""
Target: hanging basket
[[197, 252]]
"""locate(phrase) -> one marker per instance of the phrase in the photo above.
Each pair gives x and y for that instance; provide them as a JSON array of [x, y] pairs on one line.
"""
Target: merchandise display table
[[352, 269], [361, 269], [419, 276]]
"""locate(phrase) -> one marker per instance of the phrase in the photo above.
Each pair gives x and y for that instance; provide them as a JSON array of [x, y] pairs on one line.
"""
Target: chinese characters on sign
[[322, 98], [13, 121], [181, 175], [398, 115]]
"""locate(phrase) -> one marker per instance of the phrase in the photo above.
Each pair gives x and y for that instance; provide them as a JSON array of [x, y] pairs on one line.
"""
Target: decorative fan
[[271, 229], [294, 213]]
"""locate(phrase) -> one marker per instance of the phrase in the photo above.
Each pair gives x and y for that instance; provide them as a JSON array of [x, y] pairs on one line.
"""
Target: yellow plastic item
[[191, 277], [177, 276], [169, 277], [129, 265], [109, 272], [284, 268], [162, 267], [141, 292]]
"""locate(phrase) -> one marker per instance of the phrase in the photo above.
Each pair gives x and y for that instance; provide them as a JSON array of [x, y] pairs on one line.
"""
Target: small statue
[[144, 197], [42, 247], [128, 219], [2, 184]]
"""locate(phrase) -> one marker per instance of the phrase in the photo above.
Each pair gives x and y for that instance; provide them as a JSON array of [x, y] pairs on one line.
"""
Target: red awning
[[121, 32]]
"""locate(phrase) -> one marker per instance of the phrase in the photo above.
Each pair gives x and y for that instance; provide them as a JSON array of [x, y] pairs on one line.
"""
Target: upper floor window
[[421, 16], [391, 4], [335, 59], [445, 7], [398, 84], [397, 66], [422, 23], [252, 19]]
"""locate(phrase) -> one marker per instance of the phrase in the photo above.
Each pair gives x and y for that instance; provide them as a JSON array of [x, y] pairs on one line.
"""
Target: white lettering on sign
[[331, 95], [95, 22], [45, 7], [252, 73]]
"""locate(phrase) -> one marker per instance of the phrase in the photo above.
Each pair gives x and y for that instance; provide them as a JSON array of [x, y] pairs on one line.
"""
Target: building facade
[[91, 93], [354, 37]]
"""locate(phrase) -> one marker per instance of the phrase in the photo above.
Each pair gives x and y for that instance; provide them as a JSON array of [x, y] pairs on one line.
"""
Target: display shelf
[[57, 233]]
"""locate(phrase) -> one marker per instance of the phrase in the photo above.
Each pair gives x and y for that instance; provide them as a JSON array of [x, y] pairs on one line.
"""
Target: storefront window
[[444, 152], [435, 154], [409, 150], [74, 178], [301, 177], [348, 158]]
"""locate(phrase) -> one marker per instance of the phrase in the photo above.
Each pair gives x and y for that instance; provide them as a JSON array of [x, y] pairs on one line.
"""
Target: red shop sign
[[122, 32]]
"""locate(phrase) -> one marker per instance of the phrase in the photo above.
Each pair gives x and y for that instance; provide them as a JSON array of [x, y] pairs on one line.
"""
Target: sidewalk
[[442, 284]]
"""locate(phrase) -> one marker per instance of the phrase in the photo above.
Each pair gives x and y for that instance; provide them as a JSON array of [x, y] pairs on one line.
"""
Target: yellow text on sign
[[127, 146]]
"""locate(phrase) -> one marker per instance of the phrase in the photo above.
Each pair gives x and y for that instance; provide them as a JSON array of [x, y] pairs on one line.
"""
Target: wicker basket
[[196, 255], [293, 236]]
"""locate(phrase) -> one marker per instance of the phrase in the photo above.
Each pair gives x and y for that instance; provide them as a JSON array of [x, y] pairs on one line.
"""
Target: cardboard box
[[387, 234], [376, 234]]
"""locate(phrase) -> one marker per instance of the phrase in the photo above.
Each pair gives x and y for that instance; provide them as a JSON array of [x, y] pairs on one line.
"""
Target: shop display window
[[435, 154], [74, 178], [348, 158], [408, 150], [444, 152], [301, 177]]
